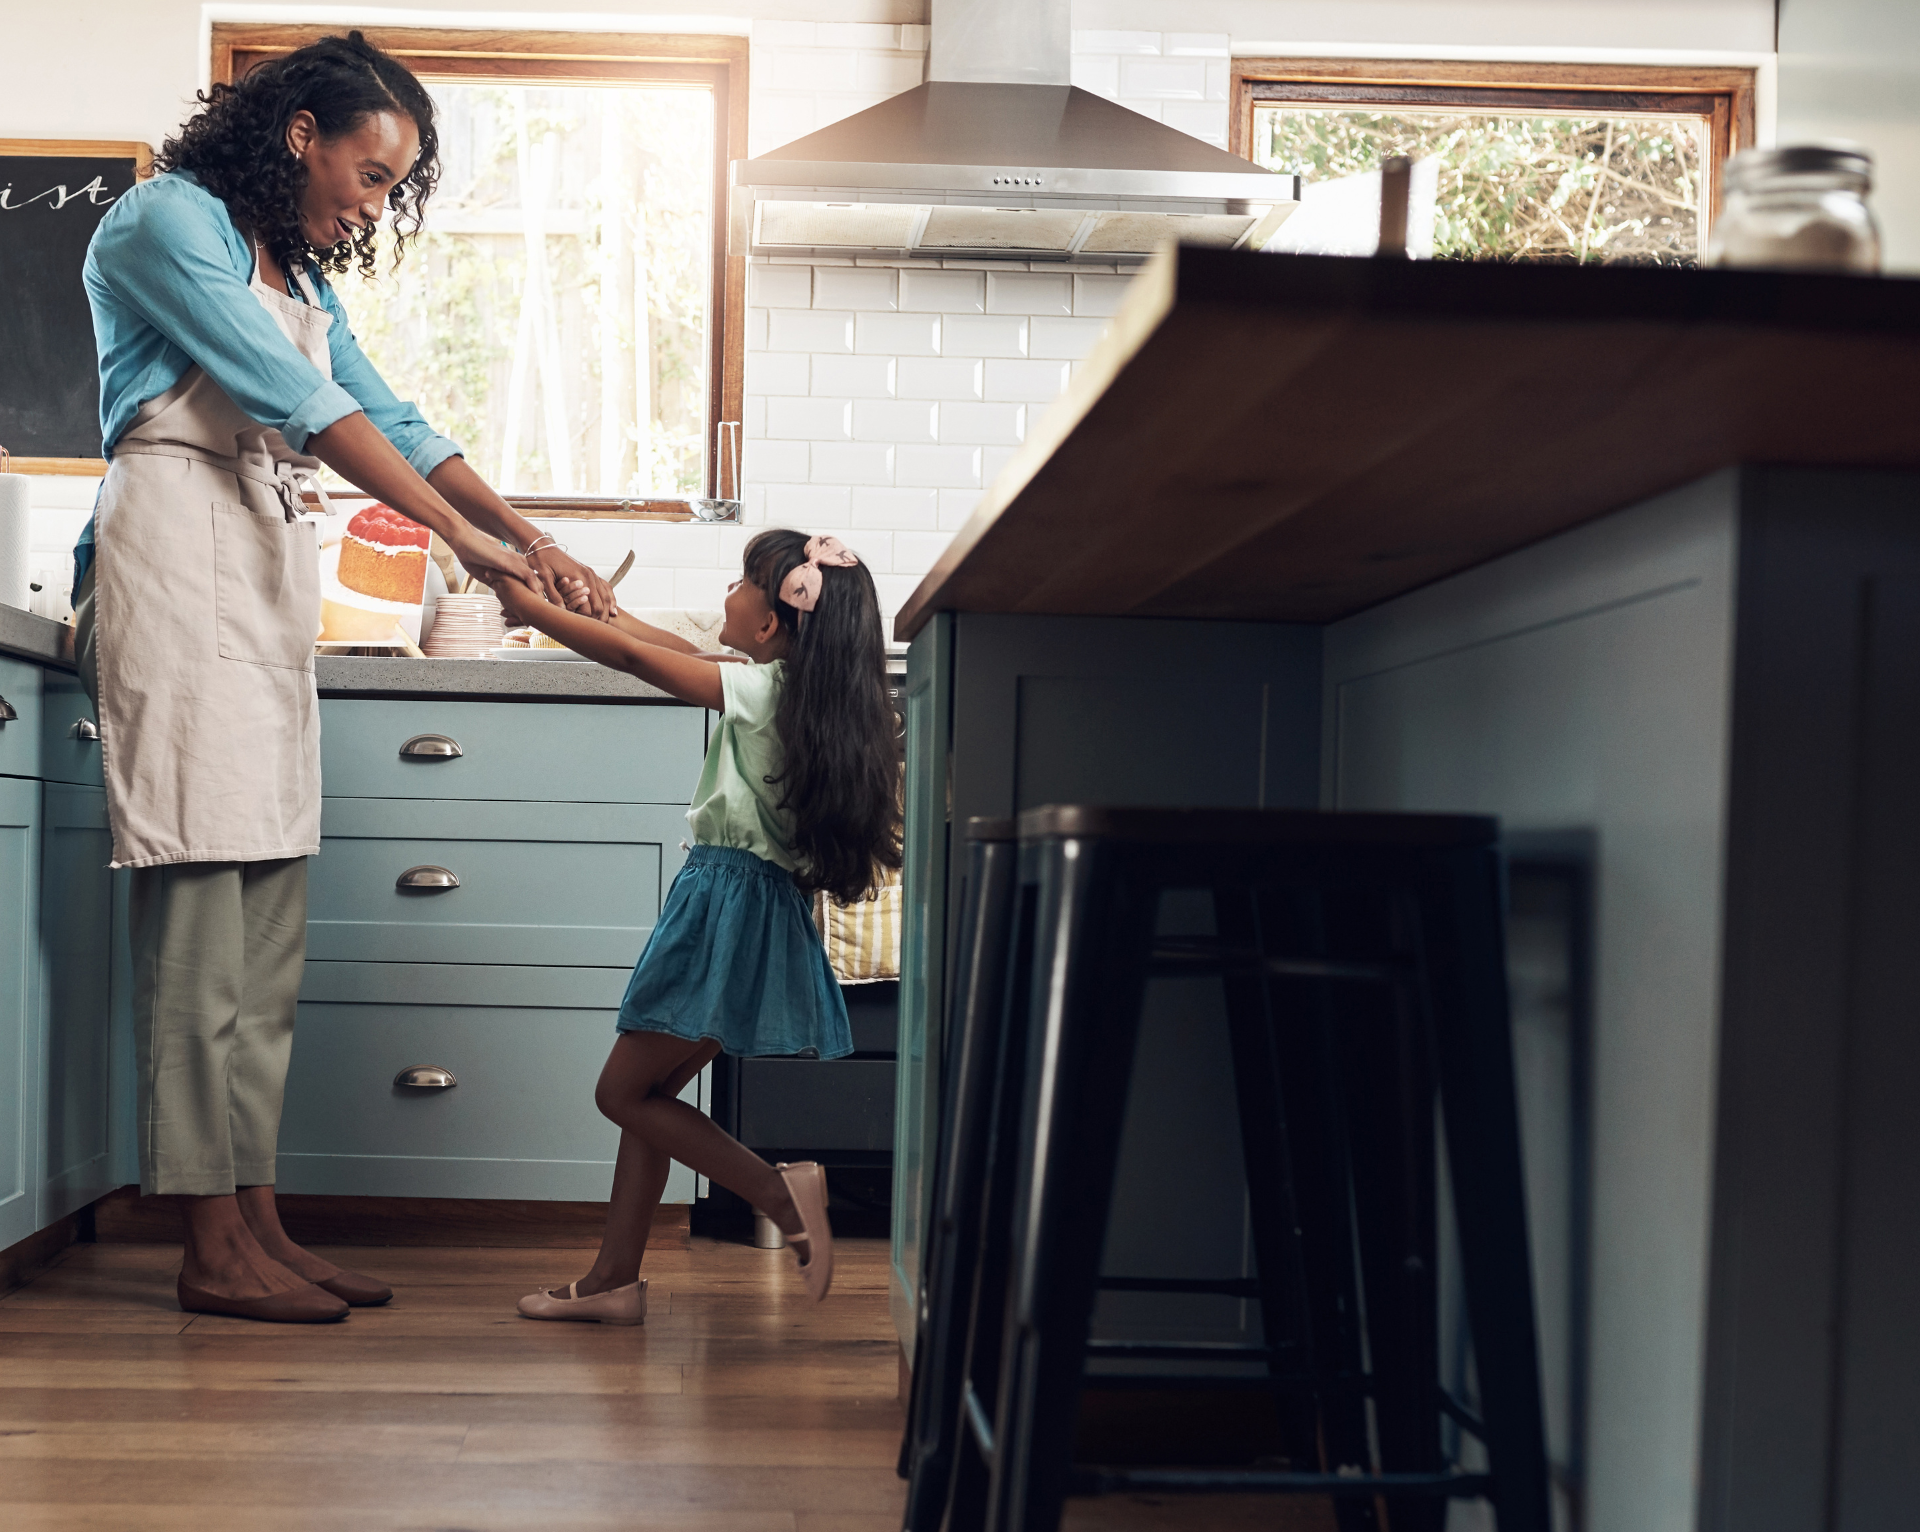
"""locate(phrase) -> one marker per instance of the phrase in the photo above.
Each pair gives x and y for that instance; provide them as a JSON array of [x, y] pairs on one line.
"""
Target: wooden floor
[[738, 1407]]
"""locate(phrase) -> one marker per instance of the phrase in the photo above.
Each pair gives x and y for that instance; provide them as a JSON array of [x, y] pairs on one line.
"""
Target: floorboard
[[738, 1407]]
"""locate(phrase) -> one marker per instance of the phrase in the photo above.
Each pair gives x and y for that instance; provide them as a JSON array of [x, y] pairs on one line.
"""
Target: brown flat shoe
[[362, 1292], [303, 1306]]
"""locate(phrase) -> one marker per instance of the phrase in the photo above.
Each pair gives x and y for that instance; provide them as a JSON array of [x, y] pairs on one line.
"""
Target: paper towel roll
[[14, 522]]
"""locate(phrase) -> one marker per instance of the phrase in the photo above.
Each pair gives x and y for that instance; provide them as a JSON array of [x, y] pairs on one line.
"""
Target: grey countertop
[[35, 638], [51, 643]]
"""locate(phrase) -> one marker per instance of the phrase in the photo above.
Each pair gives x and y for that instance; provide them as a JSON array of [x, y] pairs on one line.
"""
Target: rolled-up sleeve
[[399, 420], [170, 264]]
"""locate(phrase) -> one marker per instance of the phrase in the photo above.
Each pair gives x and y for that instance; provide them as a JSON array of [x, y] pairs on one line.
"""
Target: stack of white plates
[[465, 627]]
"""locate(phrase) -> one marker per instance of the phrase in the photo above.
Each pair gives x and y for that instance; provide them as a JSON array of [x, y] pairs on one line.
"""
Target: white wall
[[814, 62]]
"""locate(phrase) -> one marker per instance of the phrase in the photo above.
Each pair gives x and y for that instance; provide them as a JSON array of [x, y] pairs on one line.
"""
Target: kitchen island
[[1626, 558]]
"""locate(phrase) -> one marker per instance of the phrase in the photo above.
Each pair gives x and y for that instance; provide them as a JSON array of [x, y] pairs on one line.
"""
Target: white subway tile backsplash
[[894, 420], [779, 117], [1069, 339], [899, 510], [780, 287], [938, 467], [1099, 74], [1195, 44], [1142, 105], [853, 463], [783, 34], [643, 587], [1163, 79], [809, 330], [775, 462], [1098, 296], [864, 289], [808, 505], [956, 505], [942, 292], [813, 420], [756, 330], [984, 424], [898, 334], [1116, 42], [992, 460], [673, 547], [778, 372], [591, 542], [701, 590], [1219, 78], [753, 416], [815, 69], [831, 108], [1029, 292], [894, 592], [853, 377], [983, 335], [913, 38], [889, 73], [1037, 381], [915, 552], [939, 378], [1203, 119], [873, 546], [855, 34]]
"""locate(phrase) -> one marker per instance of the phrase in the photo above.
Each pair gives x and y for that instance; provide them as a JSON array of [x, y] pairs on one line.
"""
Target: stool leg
[[960, 1169], [1258, 1094], [1464, 958], [1095, 935]]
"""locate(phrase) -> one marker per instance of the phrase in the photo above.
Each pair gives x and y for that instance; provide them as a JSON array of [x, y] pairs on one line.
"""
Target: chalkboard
[[53, 195]]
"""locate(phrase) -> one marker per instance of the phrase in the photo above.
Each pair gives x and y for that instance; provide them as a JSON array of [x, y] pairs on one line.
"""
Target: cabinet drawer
[[542, 883], [525, 1050], [540, 751], [69, 734], [20, 684], [805, 1104]]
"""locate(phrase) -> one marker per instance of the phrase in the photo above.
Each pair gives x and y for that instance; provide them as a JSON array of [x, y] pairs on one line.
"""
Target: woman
[[227, 372]]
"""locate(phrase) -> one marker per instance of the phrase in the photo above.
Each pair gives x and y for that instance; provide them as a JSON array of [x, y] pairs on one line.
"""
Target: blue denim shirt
[[167, 276]]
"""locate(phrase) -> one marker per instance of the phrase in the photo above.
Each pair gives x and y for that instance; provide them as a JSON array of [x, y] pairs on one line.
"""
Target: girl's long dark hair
[[841, 775], [236, 145]]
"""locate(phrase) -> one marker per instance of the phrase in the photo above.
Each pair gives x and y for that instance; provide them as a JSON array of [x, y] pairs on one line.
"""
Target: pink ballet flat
[[617, 1306], [807, 1183]]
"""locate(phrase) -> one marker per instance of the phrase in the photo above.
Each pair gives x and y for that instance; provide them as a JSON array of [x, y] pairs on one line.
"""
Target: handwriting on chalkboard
[[95, 191]]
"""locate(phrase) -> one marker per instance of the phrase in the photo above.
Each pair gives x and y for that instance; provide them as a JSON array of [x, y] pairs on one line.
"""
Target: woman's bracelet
[[542, 541]]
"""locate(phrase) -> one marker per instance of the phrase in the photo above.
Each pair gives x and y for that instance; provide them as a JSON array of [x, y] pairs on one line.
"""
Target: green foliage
[[1518, 188]]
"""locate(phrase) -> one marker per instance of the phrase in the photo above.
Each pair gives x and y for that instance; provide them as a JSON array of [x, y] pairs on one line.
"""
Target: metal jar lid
[[1751, 167]]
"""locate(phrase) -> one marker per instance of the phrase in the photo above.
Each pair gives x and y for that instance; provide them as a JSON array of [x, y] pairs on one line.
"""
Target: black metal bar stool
[[1362, 964]]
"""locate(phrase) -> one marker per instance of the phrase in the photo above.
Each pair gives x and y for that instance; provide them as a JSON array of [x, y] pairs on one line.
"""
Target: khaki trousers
[[218, 949]]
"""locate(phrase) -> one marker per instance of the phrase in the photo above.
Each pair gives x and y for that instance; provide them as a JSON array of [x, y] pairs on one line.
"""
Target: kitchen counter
[[481, 680], [1290, 438], [28, 637]]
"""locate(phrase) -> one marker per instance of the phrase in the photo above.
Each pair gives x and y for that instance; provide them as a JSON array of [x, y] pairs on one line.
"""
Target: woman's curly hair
[[236, 145]]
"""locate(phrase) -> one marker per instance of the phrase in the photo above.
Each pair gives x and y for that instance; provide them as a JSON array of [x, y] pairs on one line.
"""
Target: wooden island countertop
[[1298, 438]]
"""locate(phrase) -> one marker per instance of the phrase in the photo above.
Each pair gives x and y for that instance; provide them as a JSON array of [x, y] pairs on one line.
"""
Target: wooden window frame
[[575, 58], [1724, 96]]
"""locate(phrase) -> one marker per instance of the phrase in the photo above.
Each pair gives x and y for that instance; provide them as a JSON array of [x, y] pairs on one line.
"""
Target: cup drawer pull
[[428, 876], [431, 747], [7, 713], [425, 1077], [85, 728]]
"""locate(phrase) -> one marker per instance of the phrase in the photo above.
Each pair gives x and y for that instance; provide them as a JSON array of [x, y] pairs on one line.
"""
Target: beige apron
[[207, 603]]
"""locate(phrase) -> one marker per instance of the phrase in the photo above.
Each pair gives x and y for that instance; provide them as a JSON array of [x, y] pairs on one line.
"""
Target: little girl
[[799, 792]]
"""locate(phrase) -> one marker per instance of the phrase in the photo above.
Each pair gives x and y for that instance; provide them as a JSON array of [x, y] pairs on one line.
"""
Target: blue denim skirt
[[736, 956]]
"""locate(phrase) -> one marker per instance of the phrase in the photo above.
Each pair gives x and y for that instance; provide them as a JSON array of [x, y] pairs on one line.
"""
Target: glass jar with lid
[[1802, 208]]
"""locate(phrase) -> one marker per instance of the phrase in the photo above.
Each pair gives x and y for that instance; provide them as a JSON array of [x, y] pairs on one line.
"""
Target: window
[[1511, 162], [567, 314]]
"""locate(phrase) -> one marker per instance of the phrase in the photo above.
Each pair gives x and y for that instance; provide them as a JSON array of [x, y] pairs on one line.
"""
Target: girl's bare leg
[[639, 1090]]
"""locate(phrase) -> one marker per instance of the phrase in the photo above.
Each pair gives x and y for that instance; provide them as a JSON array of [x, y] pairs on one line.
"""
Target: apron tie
[[286, 479]]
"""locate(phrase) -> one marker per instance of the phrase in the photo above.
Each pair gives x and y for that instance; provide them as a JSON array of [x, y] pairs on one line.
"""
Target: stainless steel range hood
[[989, 160]]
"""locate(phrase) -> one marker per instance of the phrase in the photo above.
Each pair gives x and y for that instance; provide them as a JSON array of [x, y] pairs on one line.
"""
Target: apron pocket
[[266, 587]]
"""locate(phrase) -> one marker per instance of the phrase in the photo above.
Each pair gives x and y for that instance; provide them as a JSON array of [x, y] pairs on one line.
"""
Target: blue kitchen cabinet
[[20, 690], [69, 732], [19, 934], [73, 1165]]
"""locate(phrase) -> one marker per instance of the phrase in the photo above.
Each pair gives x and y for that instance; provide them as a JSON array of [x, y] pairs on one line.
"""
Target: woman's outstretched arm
[[691, 680]]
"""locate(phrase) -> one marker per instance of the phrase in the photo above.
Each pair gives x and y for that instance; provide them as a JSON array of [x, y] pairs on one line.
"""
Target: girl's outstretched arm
[[683, 676]]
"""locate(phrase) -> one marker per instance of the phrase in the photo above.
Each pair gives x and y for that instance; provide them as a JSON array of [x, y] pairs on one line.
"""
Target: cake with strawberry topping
[[384, 555]]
